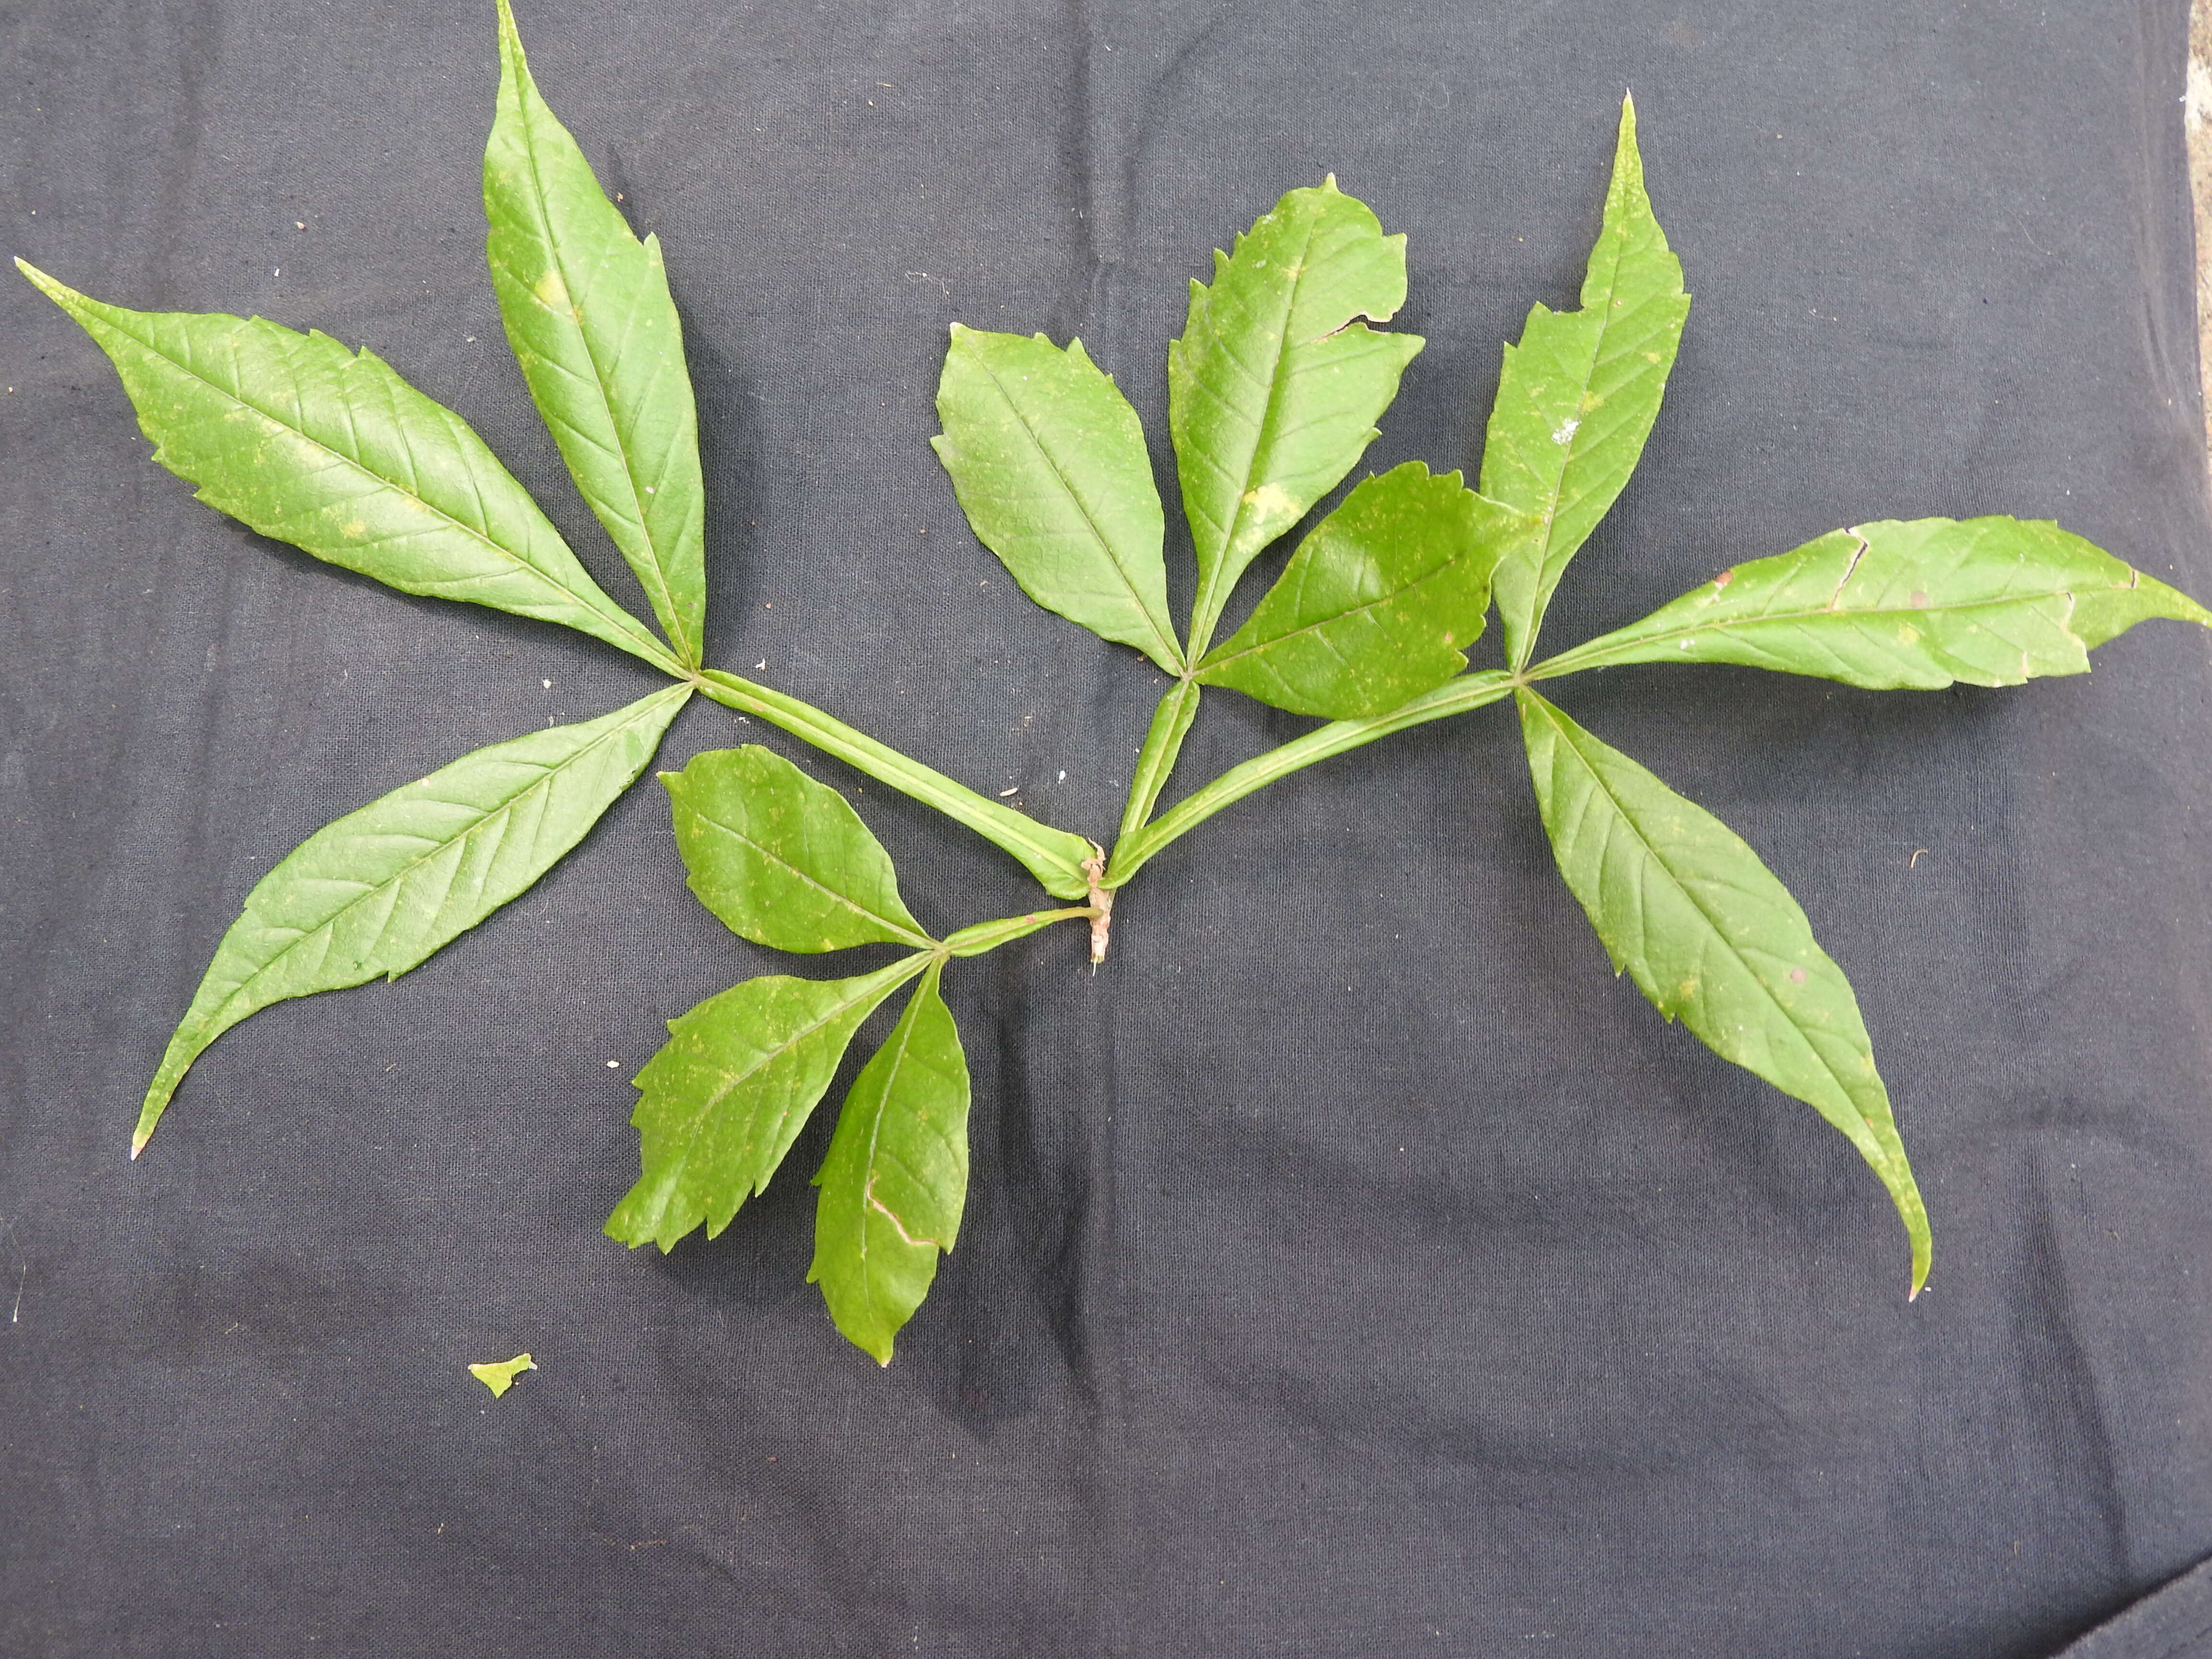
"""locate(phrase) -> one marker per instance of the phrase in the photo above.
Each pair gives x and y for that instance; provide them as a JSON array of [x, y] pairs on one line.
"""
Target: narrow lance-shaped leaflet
[[896, 1176], [304, 440], [381, 889], [1709, 935], [1578, 396], [1913, 605], [588, 314]]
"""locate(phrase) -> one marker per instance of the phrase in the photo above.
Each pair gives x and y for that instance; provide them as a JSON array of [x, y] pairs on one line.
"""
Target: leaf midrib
[[1797, 617], [909, 934], [1222, 656]]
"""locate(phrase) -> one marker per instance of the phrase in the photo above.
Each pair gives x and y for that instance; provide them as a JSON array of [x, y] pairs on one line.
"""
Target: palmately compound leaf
[[1709, 935], [1274, 388], [723, 1100], [896, 1176], [306, 441], [1048, 462], [783, 860], [588, 314], [382, 889], [1899, 606], [1579, 395], [1378, 605]]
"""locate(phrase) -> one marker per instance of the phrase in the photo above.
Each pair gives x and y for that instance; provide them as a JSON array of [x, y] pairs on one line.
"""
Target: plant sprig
[[1274, 388]]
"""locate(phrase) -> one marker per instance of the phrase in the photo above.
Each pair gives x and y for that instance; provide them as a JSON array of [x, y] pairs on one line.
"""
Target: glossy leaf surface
[[1688, 910], [1048, 462], [1578, 394], [896, 1176], [783, 860], [1378, 605], [722, 1101], [1274, 388], [1910, 605], [306, 441], [381, 889], [588, 314]]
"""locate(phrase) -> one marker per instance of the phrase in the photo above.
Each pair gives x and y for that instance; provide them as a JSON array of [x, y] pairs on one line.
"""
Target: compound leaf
[[1579, 395], [333, 452], [721, 1103], [1709, 935], [1048, 462], [1910, 605], [783, 860], [1274, 388], [589, 316], [381, 889], [1377, 602], [896, 1176]]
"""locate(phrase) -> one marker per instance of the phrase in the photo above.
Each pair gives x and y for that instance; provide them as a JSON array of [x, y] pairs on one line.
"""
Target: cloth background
[[1352, 1266]]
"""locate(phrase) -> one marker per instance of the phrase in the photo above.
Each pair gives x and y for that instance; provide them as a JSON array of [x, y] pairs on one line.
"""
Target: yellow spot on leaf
[[1271, 500], [499, 1375], [552, 293]]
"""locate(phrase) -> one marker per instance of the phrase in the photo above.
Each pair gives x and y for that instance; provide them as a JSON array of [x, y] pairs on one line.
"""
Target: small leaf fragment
[[1378, 605], [1049, 463], [1906, 606], [499, 1375], [1689, 912], [896, 1176], [588, 314], [1275, 386], [381, 890], [783, 860], [721, 1103], [1578, 394], [333, 452]]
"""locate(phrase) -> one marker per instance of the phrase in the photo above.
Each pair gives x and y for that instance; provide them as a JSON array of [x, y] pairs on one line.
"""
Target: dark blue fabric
[[1354, 1267]]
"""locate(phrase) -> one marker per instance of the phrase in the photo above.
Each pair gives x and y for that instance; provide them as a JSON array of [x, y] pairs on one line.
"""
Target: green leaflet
[[383, 888], [303, 440], [1688, 910], [1375, 606], [1906, 606], [1053, 856], [588, 314], [1578, 396], [781, 858], [1049, 466], [896, 1175], [1274, 388], [723, 1100]]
